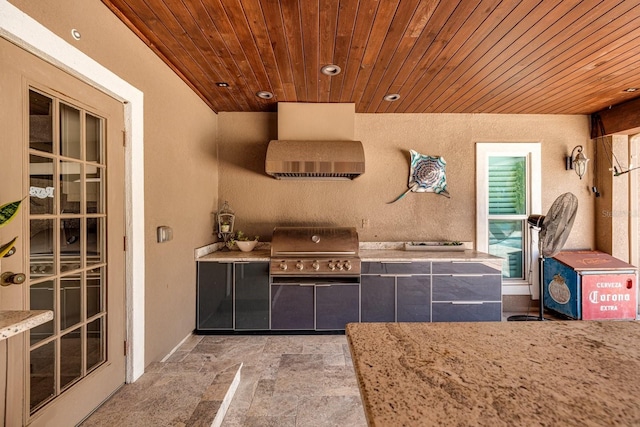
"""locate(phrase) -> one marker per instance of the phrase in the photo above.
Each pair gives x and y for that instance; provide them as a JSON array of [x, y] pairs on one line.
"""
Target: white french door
[[63, 157]]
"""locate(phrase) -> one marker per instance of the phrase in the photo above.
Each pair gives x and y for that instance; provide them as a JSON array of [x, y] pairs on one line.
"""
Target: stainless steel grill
[[315, 251]]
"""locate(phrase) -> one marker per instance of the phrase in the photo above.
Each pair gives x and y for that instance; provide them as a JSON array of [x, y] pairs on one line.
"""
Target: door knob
[[10, 278]]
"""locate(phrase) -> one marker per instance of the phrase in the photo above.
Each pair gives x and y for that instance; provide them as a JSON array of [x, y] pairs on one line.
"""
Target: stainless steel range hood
[[335, 160], [315, 141]]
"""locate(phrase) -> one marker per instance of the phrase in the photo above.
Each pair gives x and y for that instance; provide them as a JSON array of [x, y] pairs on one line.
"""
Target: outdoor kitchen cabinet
[[322, 306], [292, 307], [214, 297], [378, 301], [337, 305], [466, 292], [251, 309], [413, 298], [396, 291], [424, 291], [232, 295]]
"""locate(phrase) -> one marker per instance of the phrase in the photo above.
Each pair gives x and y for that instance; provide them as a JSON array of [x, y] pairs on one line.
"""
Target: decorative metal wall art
[[427, 175]]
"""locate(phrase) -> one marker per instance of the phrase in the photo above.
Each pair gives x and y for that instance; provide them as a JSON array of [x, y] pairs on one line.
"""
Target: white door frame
[[24, 31]]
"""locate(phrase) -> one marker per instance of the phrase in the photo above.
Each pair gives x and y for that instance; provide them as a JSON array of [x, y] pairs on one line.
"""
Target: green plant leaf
[[8, 211], [7, 247]]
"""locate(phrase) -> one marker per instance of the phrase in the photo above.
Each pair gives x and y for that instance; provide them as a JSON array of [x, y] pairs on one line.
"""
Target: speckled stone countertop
[[554, 373], [408, 256], [369, 251], [237, 256], [15, 322]]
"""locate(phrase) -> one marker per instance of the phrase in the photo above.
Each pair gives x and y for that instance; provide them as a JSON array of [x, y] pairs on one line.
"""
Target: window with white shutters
[[507, 212], [508, 179]]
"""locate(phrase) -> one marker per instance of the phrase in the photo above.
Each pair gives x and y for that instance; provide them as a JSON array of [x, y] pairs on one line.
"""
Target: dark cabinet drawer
[[466, 312], [459, 287], [463, 267], [396, 268]]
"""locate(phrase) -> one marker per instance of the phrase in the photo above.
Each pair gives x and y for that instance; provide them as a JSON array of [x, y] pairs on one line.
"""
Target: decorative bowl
[[246, 245]]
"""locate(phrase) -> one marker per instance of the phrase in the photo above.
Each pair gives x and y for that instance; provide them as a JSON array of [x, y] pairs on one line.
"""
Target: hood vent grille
[[322, 160], [319, 175]]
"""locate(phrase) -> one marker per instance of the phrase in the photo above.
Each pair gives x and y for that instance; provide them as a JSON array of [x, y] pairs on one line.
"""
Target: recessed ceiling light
[[392, 97], [331, 70], [631, 89], [222, 84], [264, 94], [76, 34]]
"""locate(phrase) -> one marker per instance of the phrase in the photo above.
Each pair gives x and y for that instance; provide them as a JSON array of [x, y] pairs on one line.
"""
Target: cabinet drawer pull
[[306, 284], [242, 262], [466, 275], [396, 275], [467, 302], [323, 285], [395, 262]]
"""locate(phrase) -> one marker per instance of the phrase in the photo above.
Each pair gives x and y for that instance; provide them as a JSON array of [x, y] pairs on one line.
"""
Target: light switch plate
[[165, 233]]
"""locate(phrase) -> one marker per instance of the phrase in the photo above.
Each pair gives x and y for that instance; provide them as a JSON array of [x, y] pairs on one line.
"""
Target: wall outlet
[[365, 223]]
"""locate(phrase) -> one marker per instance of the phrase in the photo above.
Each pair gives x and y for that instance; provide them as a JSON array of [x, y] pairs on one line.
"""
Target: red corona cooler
[[590, 285], [610, 296]]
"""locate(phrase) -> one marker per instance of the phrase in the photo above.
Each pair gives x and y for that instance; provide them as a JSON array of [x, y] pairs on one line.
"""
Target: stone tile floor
[[293, 380], [286, 380]]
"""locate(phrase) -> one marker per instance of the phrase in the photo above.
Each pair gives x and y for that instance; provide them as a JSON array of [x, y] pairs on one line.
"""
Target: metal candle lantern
[[226, 219]]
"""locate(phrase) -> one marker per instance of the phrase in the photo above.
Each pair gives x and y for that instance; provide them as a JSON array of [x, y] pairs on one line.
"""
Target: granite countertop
[[237, 256], [402, 255], [367, 252], [13, 322], [498, 373]]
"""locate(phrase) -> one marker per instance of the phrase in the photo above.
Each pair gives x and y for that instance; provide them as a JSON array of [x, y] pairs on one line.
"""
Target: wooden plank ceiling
[[440, 56]]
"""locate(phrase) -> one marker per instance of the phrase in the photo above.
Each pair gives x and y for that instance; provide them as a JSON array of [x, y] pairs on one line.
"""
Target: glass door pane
[[41, 190], [70, 144], [43, 374], [94, 151], [42, 298], [40, 122]]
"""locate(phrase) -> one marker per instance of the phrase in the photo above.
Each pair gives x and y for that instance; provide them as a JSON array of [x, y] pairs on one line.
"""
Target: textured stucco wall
[[180, 161], [261, 202]]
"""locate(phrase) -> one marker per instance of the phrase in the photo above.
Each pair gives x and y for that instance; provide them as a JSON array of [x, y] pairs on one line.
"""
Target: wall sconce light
[[577, 161]]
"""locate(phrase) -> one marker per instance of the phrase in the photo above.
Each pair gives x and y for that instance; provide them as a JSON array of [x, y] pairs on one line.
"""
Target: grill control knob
[[283, 266], [340, 266], [347, 265], [315, 265], [299, 265], [332, 266]]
